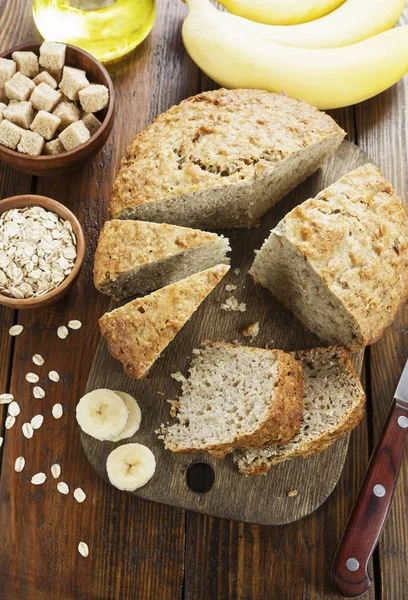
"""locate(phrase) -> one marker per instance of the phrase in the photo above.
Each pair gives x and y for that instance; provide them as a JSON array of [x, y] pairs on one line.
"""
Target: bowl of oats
[[42, 248]]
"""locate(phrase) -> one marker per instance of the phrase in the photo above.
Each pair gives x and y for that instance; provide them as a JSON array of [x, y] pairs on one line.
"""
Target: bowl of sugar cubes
[[56, 107]]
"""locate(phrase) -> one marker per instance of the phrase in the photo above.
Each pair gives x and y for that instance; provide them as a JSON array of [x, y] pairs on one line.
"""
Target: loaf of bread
[[222, 159], [333, 403], [340, 261], [136, 257], [236, 397], [138, 332]]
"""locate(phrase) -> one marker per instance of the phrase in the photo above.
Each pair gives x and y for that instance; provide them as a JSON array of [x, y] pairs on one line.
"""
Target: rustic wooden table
[[138, 549]]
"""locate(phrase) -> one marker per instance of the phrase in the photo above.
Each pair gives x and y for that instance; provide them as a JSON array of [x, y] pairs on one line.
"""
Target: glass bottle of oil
[[107, 29]]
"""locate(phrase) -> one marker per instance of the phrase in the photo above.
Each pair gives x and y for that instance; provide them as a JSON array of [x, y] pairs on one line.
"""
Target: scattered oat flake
[[63, 488], [38, 392], [230, 287], [38, 478], [252, 330], [37, 421], [1, 441], [57, 411], [232, 304], [292, 493], [53, 375], [56, 470], [10, 421], [19, 464], [62, 332], [178, 377], [79, 495], [14, 409], [32, 378], [74, 324], [38, 360], [16, 330], [83, 549], [6, 398], [28, 430]]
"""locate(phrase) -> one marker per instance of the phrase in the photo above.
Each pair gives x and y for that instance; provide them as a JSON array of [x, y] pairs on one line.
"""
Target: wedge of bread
[[222, 159], [236, 397], [333, 403], [340, 261], [138, 332], [136, 257]]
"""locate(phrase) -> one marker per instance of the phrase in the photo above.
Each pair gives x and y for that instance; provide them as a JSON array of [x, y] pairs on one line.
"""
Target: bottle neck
[[91, 4]]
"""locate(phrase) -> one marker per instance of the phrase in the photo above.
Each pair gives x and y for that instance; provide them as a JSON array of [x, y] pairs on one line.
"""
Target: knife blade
[[366, 522]]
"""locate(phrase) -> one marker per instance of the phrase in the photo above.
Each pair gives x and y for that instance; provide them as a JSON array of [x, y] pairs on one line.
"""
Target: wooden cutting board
[[260, 499]]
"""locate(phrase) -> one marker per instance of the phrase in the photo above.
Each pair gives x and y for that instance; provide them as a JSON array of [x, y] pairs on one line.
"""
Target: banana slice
[[130, 466], [102, 414], [134, 418]]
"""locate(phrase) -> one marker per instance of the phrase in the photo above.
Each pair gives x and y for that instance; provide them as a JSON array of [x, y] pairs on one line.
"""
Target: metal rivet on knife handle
[[379, 490], [352, 564], [403, 422]]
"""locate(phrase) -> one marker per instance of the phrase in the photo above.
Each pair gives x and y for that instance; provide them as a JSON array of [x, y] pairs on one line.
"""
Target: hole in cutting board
[[200, 477]]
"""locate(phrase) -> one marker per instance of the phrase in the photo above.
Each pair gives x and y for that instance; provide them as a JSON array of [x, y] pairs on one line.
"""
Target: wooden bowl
[[62, 211], [74, 159]]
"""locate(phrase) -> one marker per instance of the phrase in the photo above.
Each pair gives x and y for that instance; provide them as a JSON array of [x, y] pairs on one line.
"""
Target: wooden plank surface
[[138, 547], [382, 125], [252, 499]]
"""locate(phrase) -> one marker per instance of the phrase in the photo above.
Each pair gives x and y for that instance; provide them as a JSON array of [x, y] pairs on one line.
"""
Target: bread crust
[[139, 331], [350, 420], [216, 140], [282, 420]]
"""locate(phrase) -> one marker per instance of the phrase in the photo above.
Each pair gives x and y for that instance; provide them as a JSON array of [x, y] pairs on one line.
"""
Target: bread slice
[[236, 397], [333, 403], [138, 332], [340, 261], [222, 159], [135, 257]]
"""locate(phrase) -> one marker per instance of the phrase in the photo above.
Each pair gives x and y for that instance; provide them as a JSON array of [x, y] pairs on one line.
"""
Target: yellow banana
[[281, 12], [354, 21], [328, 78]]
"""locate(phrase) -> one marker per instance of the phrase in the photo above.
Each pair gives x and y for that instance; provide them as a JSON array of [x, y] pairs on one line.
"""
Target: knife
[[367, 519]]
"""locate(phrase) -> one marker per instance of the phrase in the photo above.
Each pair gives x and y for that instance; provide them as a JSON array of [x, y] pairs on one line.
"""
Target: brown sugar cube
[[94, 97], [27, 63], [2, 107], [53, 147], [7, 69], [91, 122], [68, 112], [73, 80], [31, 143], [52, 56], [10, 134], [19, 87], [20, 113], [45, 124], [45, 77], [44, 97], [74, 135]]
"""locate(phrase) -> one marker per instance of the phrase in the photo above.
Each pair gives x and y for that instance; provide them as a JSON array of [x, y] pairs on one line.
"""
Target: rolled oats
[[28, 430], [38, 392], [63, 488], [32, 378], [53, 376], [57, 411], [56, 470], [6, 398], [10, 421], [62, 332], [79, 495], [83, 549], [16, 329], [37, 421], [38, 360], [37, 252], [14, 409], [74, 324], [38, 479], [19, 464]]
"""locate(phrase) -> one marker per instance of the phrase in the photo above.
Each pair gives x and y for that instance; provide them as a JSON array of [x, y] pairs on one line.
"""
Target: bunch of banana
[[347, 60]]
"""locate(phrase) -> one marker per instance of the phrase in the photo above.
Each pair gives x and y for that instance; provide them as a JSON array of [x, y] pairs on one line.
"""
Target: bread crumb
[[230, 287], [196, 351], [178, 377], [232, 304], [251, 331], [160, 393], [292, 493]]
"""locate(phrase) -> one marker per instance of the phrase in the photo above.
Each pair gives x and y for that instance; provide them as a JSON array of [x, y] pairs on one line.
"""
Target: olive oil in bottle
[[107, 29]]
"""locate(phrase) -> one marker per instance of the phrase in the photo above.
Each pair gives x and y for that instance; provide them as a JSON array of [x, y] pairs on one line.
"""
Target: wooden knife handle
[[366, 522]]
